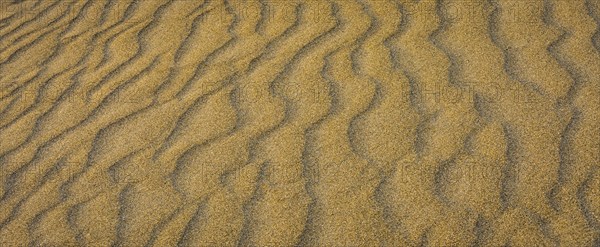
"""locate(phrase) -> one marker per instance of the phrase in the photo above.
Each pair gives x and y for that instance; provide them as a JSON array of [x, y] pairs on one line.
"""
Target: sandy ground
[[310, 123]]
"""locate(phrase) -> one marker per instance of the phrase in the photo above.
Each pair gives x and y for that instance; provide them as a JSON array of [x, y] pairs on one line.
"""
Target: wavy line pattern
[[299, 123]]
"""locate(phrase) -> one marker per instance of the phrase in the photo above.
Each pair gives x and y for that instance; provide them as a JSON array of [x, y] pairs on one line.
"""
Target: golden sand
[[299, 123]]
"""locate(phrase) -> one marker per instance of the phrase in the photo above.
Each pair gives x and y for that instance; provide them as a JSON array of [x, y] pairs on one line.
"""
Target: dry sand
[[284, 123]]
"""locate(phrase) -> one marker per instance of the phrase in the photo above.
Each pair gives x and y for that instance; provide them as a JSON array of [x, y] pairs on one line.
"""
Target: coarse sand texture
[[280, 123]]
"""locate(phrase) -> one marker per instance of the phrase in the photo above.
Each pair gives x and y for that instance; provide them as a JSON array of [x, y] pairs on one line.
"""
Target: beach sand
[[299, 123]]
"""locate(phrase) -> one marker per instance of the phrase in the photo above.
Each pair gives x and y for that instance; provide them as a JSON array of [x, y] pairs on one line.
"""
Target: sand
[[299, 123]]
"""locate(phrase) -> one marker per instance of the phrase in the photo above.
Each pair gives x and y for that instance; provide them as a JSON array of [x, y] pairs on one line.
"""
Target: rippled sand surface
[[299, 123]]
